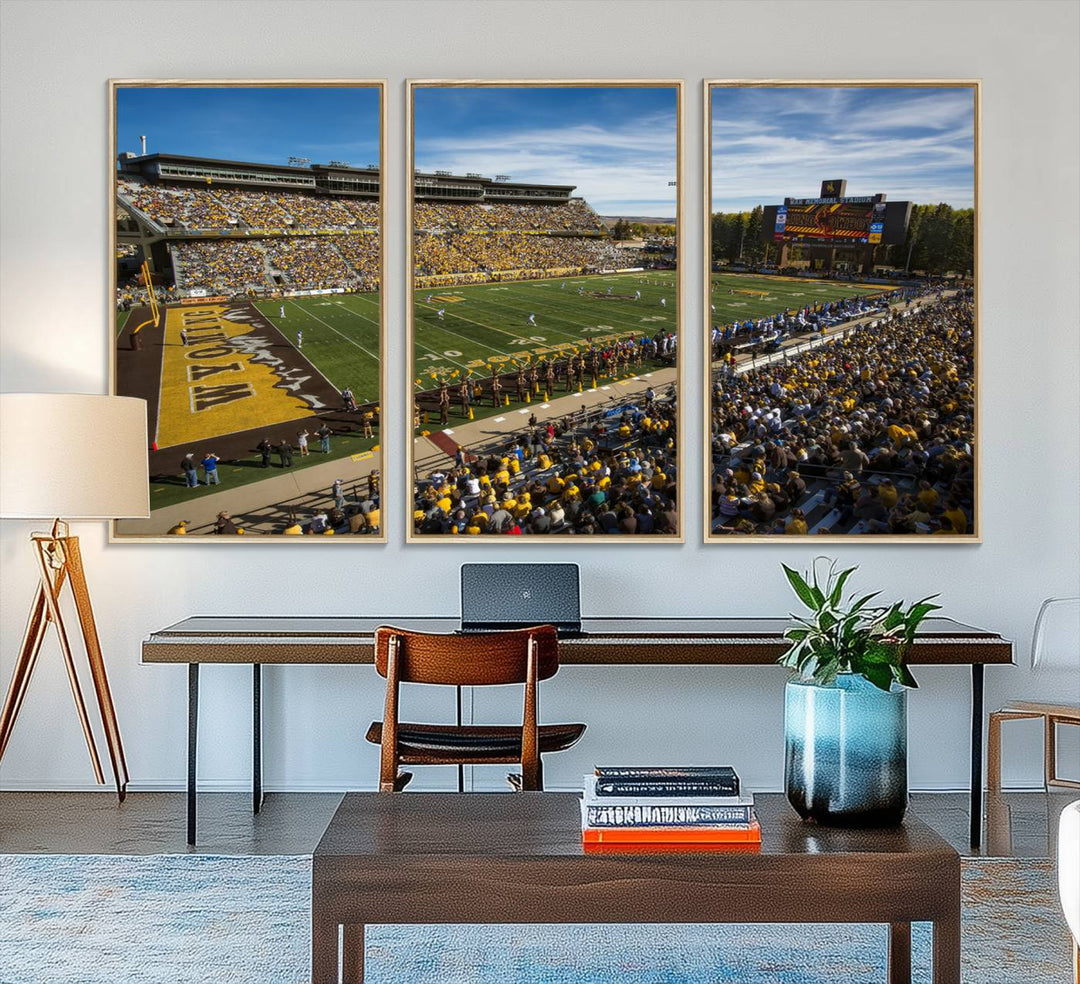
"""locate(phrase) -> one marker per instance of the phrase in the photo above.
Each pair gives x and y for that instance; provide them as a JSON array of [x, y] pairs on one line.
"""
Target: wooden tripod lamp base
[[59, 561]]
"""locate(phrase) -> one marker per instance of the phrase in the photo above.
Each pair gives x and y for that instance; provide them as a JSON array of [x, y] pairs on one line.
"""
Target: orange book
[[637, 847], [740, 834]]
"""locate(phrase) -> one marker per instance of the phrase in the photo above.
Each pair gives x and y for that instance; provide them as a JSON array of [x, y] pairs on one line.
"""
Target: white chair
[[1055, 645], [1069, 875]]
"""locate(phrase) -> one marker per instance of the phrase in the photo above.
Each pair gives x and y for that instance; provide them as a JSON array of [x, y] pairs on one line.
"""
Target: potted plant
[[845, 714]]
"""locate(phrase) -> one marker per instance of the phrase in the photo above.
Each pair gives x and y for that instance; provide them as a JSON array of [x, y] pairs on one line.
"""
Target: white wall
[[54, 328]]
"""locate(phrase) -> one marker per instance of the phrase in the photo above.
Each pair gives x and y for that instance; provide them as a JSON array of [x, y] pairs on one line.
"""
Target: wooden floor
[[1023, 824]]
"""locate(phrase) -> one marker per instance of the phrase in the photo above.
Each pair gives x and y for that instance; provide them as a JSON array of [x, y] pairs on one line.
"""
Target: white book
[[591, 799]]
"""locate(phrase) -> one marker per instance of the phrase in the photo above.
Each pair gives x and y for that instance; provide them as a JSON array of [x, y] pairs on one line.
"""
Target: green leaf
[[880, 676], [876, 653], [893, 618], [862, 601], [801, 588], [838, 591], [903, 675]]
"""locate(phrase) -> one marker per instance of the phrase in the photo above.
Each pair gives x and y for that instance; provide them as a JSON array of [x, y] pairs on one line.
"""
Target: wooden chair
[[1059, 618], [485, 659]]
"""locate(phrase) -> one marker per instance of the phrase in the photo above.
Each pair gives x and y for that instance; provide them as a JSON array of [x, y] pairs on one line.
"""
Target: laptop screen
[[516, 595]]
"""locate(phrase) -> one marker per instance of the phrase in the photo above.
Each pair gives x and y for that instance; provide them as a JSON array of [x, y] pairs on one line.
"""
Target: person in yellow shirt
[[928, 496], [887, 494], [955, 516], [796, 524], [180, 529]]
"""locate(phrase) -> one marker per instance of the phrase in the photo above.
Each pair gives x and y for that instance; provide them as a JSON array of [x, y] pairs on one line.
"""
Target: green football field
[[736, 296], [341, 337], [488, 324]]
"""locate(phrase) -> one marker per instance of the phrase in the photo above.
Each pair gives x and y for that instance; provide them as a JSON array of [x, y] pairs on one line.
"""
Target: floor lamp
[[77, 457]]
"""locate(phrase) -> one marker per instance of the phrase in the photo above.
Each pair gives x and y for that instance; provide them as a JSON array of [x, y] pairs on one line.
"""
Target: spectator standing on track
[[209, 464], [191, 470]]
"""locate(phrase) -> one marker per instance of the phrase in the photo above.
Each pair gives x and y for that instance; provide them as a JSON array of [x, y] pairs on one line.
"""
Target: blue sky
[[616, 144], [262, 124], [913, 144]]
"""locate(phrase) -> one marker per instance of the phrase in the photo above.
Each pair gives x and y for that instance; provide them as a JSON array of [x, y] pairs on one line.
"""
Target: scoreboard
[[837, 220]]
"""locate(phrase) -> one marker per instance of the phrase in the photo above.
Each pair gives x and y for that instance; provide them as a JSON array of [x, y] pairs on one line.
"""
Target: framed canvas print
[[544, 310], [841, 292], [246, 234]]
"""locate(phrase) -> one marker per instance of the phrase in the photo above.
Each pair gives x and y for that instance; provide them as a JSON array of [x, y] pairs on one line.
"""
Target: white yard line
[[351, 341], [315, 368]]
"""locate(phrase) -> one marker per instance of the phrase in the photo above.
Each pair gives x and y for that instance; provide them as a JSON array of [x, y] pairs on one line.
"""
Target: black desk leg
[[256, 738], [461, 767], [976, 753], [192, 748]]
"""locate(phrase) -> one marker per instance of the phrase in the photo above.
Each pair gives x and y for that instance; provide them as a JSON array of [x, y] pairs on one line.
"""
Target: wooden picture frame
[[717, 510], [414, 460], [220, 237]]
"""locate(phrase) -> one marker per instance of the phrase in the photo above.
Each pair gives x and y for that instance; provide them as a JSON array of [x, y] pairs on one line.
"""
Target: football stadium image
[[545, 329], [249, 318], [842, 344]]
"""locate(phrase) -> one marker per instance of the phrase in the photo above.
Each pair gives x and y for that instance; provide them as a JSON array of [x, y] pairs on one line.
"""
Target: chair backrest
[[1055, 642], [469, 659]]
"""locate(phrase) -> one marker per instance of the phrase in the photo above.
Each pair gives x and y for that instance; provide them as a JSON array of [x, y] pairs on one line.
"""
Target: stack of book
[[677, 806]]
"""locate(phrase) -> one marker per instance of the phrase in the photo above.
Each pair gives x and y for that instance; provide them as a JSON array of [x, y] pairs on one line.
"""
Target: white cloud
[[624, 168]]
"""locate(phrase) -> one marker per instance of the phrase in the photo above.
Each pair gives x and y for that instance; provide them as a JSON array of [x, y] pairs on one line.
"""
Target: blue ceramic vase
[[846, 752]]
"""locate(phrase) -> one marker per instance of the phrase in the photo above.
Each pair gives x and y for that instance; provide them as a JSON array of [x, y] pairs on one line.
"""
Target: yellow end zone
[[210, 388]]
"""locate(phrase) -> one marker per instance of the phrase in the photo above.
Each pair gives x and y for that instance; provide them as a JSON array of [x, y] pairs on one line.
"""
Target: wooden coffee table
[[517, 858]]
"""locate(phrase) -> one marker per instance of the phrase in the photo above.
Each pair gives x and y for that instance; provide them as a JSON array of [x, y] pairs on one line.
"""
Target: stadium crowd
[[811, 318], [572, 216], [310, 262], [222, 266], [874, 430], [225, 208], [576, 475], [234, 266]]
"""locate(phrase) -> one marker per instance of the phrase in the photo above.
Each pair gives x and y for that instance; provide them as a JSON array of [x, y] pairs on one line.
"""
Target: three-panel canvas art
[[545, 337]]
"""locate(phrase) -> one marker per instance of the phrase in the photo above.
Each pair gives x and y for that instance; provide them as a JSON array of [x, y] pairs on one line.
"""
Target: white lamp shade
[[73, 456], [1055, 643]]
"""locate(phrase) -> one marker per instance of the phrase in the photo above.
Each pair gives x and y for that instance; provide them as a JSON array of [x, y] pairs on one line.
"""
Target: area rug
[[173, 919]]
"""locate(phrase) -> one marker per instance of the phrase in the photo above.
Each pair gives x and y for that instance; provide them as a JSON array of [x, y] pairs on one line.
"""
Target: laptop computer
[[515, 596]]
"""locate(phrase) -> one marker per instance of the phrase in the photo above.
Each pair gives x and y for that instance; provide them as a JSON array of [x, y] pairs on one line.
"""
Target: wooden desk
[[604, 641], [517, 858]]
